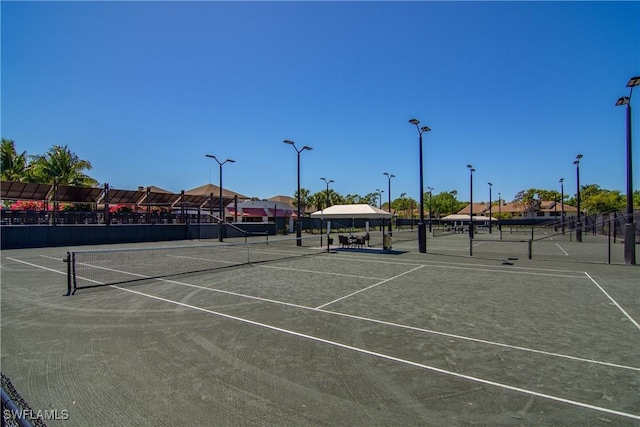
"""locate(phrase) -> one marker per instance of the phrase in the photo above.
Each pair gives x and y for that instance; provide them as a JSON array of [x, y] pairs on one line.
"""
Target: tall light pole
[[327, 181], [430, 192], [379, 191], [221, 219], [562, 203], [453, 199], [299, 224], [422, 231], [389, 176], [471, 171], [500, 213], [579, 223], [490, 211], [629, 226]]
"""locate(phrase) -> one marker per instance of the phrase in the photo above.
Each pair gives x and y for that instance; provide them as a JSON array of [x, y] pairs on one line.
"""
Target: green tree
[[595, 199], [444, 203], [370, 199], [322, 199], [352, 199], [403, 205], [60, 164], [548, 195], [335, 198], [318, 200], [305, 195], [14, 165], [527, 198]]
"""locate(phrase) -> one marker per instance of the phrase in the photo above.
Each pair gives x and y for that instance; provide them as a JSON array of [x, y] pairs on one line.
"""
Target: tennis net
[[94, 268]]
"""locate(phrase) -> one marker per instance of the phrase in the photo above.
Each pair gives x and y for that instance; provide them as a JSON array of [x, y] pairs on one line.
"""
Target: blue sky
[[143, 90]]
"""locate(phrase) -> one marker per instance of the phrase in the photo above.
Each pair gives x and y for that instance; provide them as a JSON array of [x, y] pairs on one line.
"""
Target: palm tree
[[318, 200], [370, 199], [335, 198], [351, 199], [304, 199], [60, 164], [14, 165]]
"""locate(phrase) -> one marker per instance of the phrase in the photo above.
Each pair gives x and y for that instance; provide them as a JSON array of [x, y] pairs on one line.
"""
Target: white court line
[[481, 341], [392, 358], [40, 266], [204, 259], [328, 273], [382, 322], [565, 252], [350, 258], [471, 266], [613, 301], [428, 331], [477, 244], [369, 287]]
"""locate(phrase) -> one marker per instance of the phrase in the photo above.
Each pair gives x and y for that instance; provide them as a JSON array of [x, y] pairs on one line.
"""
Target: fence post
[[530, 248], [609, 243], [68, 261]]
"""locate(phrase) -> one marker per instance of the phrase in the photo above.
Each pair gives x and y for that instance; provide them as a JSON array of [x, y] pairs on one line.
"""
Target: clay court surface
[[355, 337]]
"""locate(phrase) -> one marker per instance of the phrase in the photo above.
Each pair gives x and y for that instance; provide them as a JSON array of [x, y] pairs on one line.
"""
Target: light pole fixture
[[562, 203], [389, 176], [299, 223], [490, 211], [430, 191], [327, 181], [422, 231], [471, 171], [579, 222], [221, 219], [629, 226]]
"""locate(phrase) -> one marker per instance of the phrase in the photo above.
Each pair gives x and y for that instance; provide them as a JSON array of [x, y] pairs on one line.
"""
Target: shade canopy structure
[[68, 193], [10, 190], [359, 211]]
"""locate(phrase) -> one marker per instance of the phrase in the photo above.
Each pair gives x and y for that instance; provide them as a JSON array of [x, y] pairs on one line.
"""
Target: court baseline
[[359, 350], [367, 319]]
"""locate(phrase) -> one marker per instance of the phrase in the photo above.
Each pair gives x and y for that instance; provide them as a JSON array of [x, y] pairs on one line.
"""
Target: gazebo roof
[[351, 211]]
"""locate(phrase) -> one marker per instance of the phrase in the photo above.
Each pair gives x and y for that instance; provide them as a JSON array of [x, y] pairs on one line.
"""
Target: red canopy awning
[[254, 211], [249, 211]]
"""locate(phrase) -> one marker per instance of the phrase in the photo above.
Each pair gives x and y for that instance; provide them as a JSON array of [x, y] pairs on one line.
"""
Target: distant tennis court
[[203, 333]]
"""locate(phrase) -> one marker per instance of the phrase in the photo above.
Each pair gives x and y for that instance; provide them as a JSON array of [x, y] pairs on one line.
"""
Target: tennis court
[[297, 336]]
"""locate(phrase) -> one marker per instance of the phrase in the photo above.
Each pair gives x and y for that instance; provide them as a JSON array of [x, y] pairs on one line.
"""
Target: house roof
[[477, 208], [283, 199], [207, 189], [512, 207], [555, 206]]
